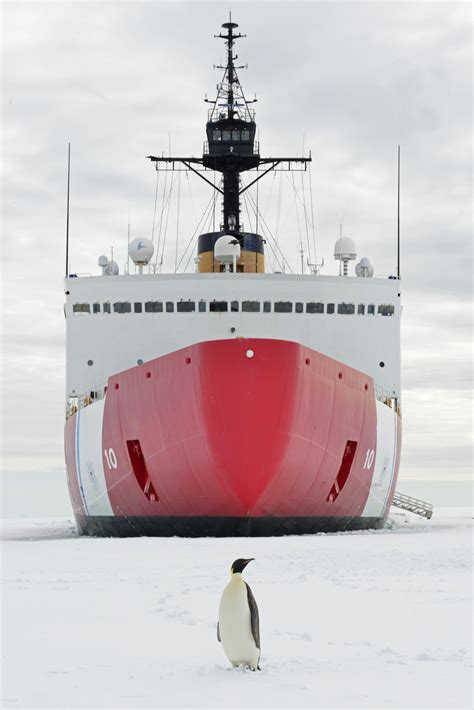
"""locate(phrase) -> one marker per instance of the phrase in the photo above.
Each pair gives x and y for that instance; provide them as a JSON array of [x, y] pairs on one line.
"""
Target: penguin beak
[[251, 559]]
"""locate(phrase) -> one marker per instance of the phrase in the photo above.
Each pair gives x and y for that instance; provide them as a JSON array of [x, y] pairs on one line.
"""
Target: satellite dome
[[226, 249], [345, 249], [141, 251], [103, 261], [364, 268]]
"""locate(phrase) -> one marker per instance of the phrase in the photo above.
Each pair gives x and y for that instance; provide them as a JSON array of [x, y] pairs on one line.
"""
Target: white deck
[[116, 341]]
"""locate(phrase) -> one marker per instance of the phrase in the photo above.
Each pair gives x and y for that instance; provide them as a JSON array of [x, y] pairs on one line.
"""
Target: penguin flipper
[[254, 620], [218, 633]]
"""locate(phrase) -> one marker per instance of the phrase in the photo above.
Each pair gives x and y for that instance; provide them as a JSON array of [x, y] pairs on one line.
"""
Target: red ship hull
[[234, 437]]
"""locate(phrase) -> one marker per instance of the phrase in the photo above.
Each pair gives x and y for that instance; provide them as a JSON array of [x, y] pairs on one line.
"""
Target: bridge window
[[202, 306], [346, 309], [298, 308], [122, 307], [81, 308], [153, 307], [267, 306], [169, 307], [226, 135], [138, 307], [361, 309], [216, 135], [245, 135], [96, 308], [386, 310], [251, 306], [185, 306], [106, 308], [218, 306], [234, 306], [330, 308], [283, 307], [371, 310], [315, 307]]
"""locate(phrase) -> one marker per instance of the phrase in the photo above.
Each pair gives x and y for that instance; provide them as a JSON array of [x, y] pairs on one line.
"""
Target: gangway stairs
[[419, 507]]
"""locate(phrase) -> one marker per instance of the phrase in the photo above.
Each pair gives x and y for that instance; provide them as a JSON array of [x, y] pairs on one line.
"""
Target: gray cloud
[[119, 80]]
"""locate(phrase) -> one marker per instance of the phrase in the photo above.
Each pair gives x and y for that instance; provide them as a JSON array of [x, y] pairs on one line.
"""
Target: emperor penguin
[[238, 628]]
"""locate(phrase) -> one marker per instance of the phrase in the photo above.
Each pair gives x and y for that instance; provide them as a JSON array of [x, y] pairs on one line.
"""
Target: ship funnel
[[345, 251]]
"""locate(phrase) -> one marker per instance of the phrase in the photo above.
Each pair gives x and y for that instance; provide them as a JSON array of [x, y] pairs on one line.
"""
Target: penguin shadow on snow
[[238, 627]]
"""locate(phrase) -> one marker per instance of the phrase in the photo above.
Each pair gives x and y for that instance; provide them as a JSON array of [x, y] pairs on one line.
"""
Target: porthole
[[90, 362], [250, 353], [382, 364], [139, 361]]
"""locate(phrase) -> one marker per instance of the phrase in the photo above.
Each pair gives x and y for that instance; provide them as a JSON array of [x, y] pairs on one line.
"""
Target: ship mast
[[231, 148]]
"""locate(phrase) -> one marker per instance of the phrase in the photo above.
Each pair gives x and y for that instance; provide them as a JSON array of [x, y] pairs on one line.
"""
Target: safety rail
[[414, 505], [387, 398], [76, 402], [219, 113]]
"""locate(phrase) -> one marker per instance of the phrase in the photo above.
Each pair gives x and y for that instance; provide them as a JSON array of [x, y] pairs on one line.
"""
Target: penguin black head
[[240, 564]]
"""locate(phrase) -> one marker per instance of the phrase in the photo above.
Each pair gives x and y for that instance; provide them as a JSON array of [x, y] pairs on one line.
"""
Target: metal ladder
[[419, 507]]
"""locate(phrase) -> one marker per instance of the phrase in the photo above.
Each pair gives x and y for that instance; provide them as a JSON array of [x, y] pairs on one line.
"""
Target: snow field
[[363, 620]]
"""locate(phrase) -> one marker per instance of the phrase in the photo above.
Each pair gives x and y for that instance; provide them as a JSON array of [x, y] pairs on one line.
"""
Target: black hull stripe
[[155, 526]]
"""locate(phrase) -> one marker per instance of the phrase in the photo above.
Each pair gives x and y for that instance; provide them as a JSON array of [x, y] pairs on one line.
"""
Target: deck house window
[[138, 307], [235, 135], [267, 306], [330, 308], [226, 135], [218, 306], [234, 306], [185, 306], [202, 306], [169, 307], [81, 308], [346, 309], [153, 307], [315, 307], [371, 309], [96, 308], [283, 307], [251, 306], [216, 135], [386, 310], [361, 309], [245, 135], [298, 308], [122, 307], [106, 307]]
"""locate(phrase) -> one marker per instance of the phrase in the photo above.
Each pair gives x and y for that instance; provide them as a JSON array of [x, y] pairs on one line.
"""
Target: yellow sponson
[[252, 257]]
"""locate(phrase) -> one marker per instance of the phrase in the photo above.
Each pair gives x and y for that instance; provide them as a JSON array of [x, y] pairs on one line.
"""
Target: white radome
[[226, 249], [141, 251], [345, 249], [364, 268]]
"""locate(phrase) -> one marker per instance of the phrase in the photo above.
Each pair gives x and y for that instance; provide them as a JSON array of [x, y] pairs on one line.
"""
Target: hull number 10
[[369, 458], [111, 458]]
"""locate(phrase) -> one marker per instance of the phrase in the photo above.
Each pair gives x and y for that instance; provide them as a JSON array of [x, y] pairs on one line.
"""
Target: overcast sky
[[350, 81]]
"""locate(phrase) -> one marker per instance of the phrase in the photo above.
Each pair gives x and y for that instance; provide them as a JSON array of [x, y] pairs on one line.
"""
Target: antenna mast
[[231, 147], [67, 206], [398, 217]]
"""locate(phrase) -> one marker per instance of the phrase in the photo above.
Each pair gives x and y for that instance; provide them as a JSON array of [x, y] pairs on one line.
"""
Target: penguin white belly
[[235, 626]]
